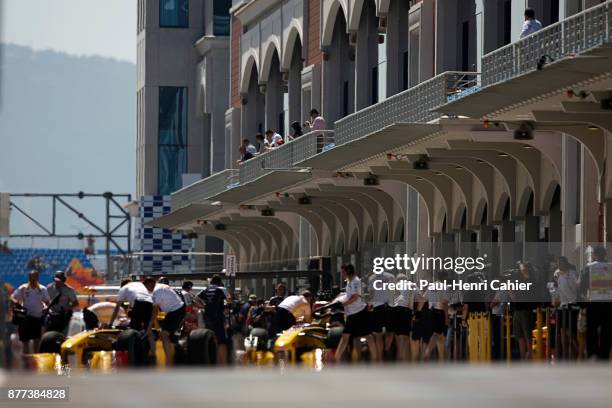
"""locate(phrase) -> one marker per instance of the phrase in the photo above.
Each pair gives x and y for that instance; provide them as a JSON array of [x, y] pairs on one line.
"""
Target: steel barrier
[[576, 34], [414, 105], [200, 191]]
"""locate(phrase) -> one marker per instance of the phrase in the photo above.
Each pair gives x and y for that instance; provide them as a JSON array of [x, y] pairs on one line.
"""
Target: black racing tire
[[133, 342], [202, 347], [333, 337], [262, 338], [51, 342]]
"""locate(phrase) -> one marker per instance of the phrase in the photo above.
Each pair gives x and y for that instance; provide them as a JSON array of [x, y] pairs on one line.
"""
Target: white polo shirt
[[353, 287], [32, 299], [166, 298], [381, 296], [405, 297], [297, 305], [132, 292]]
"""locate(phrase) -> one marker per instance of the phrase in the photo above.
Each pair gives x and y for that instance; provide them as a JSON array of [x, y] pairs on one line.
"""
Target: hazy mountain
[[67, 123]]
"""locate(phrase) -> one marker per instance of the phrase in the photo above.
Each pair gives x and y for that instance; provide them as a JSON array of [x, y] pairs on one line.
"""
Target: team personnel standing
[[382, 300], [357, 316], [63, 301], [598, 313], [140, 302], [214, 315], [438, 318], [32, 297], [401, 315], [165, 299], [293, 308]]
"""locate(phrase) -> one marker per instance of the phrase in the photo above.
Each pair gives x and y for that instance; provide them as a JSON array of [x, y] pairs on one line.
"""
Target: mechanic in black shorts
[[140, 302], [166, 299], [381, 299], [438, 320], [401, 318], [214, 315], [357, 316]]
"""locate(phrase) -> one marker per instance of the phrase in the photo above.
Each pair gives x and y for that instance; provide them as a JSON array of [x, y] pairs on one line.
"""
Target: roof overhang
[[554, 77], [275, 180], [184, 216], [385, 140]]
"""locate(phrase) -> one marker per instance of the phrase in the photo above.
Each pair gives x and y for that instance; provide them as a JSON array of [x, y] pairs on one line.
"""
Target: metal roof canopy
[[275, 180], [387, 139], [246, 275], [183, 216], [553, 77]]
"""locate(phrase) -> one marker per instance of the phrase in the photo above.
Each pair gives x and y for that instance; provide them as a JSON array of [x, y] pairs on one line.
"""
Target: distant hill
[[67, 123]]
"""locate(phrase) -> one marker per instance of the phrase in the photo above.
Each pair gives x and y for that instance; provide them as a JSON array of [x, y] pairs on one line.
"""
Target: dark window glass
[[174, 13], [465, 46], [221, 17], [172, 162], [405, 71], [374, 86], [507, 21]]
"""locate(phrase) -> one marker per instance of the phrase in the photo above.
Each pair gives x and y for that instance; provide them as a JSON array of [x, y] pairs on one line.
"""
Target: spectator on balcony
[[531, 24], [296, 130], [263, 143], [248, 147], [244, 154], [275, 139], [316, 121]]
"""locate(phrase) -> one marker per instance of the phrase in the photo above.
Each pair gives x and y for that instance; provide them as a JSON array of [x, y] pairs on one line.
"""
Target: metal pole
[[129, 240], [108, 260]]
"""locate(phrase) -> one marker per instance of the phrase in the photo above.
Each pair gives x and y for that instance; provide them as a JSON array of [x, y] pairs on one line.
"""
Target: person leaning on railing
[[316, 121]]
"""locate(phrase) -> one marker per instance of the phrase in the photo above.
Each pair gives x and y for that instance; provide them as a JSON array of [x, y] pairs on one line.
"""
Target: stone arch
[[458, 217], [329, 20], [294, 34], [251, 61], [480, 210], [549, 194], [384, 232], [399, 230], [523, 202], [500, 207], [272, 46]]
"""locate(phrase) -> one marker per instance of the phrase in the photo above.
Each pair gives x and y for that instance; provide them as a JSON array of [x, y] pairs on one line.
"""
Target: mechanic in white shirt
[[531, 25], [382, 301], [34, 298], [402, 317], [276, 140], [357, 315], [140, 302], [165, 299], [292, 309]]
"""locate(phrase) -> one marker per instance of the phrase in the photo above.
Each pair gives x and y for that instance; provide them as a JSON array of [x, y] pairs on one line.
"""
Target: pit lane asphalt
[[419, 386]]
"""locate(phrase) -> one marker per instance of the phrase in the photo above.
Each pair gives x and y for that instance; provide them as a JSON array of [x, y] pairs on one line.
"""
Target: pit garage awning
[[384, 140], [274, 181], [184, 216], [553, 77]]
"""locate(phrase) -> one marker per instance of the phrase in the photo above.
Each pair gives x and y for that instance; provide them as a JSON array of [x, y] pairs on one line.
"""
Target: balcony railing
[[200, 191], [413, 105], [574, 35], [286, 156]]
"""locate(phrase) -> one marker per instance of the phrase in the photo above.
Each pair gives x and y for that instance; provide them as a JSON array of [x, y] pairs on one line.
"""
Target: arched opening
[[397, 47], [367, 87], [339, 73], [294, 84], [253, 110], [384, 232], [275, 97], [399, 231], [555, 220]]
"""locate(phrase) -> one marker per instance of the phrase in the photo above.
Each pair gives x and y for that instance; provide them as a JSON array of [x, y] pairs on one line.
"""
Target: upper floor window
[[221, 17], [174, 13]]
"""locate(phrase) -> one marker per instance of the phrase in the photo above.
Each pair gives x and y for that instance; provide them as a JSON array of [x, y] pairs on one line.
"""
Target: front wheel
[[202, 347], [51, 342]]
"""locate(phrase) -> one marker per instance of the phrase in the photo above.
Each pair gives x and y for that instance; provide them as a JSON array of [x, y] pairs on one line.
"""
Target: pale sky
[[79, 27]]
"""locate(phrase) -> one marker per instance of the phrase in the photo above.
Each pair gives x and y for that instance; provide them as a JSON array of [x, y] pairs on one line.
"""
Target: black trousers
[[599, 329]]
